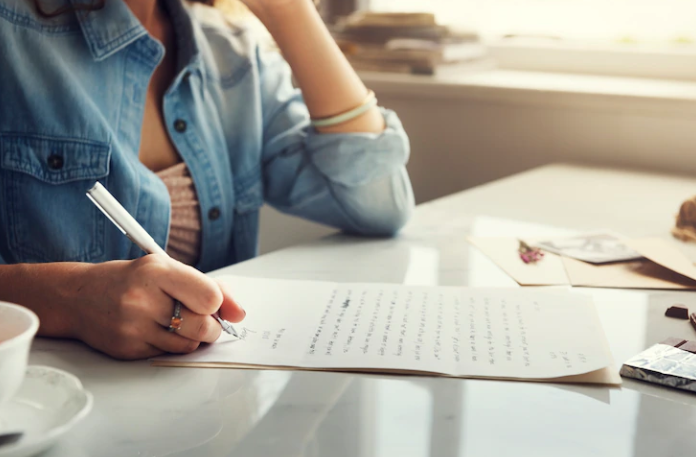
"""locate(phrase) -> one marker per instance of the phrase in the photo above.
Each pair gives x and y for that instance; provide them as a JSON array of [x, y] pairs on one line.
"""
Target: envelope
[[503, 252], [664, 267]]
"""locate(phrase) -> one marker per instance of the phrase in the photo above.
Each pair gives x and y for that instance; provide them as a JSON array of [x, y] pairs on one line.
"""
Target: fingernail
[[244, 311]]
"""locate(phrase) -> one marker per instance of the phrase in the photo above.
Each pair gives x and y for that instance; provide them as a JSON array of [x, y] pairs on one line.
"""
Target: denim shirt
[[72, 97]]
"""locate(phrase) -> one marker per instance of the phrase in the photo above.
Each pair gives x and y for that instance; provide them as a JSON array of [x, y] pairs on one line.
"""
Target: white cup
[[18, 326]]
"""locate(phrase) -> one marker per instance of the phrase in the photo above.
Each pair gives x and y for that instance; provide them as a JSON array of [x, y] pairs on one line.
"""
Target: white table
[[145, 411]]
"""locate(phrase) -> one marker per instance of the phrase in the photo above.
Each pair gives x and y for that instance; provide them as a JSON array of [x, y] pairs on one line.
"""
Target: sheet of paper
[[594, 247], [498, 333], [503, 251]]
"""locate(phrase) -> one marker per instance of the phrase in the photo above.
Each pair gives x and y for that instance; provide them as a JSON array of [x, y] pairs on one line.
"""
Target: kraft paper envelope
[[641, 274], [664, 268], [663, 253]]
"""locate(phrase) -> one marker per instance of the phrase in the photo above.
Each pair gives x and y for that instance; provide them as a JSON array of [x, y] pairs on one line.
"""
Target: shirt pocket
[[47, 215], [246, 221]]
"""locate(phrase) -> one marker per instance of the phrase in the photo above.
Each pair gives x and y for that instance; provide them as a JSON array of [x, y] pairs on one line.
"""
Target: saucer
[[49, 403]]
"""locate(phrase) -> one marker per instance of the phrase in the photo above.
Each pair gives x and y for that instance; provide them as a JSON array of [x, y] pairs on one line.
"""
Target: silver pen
[[127, 224]]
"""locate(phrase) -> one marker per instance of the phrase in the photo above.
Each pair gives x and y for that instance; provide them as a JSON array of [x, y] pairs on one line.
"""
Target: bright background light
[[662, 22]]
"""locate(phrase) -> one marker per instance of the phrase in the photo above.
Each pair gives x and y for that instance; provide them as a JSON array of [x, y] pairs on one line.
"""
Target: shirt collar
[[109, 29], [114, 27]]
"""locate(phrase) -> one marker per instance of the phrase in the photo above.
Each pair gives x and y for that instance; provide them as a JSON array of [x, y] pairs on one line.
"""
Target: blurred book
[[407, 43], [372, 27], [417, 50], [423, 68], [368, 18]]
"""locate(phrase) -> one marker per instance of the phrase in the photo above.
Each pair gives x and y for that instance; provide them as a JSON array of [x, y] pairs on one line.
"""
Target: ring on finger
[[177, 320]]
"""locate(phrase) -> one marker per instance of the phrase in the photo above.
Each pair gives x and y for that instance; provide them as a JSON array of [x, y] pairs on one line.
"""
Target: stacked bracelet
[[367, 104]]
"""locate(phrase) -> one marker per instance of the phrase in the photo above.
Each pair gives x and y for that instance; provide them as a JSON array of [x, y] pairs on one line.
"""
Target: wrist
[[66, 314], [80, 288], [51, 290]]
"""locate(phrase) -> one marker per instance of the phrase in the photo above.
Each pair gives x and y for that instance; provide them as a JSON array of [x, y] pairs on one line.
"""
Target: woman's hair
[[93, 5]]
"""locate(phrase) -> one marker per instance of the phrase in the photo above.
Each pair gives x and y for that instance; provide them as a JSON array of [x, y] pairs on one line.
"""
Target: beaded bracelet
[[367, 104]]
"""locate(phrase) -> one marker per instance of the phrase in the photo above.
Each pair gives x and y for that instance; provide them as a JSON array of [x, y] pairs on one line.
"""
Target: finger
[[171, 341], [193, 326], [230, 309], [195, 290]]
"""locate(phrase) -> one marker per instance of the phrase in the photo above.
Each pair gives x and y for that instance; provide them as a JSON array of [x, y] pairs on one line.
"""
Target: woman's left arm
[[351, 176], [329, 84]]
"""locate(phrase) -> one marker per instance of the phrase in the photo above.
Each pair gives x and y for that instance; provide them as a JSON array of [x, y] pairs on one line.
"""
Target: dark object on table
[[689, 346], [692, 319], [10, 438], [678, 311], [675, 342], [671, 363]]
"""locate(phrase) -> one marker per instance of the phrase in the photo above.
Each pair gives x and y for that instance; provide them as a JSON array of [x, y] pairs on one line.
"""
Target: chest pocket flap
[[44, 213], [54, 160]]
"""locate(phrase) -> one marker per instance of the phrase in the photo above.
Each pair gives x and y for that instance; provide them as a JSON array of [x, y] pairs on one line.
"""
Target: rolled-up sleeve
[[356, 182]]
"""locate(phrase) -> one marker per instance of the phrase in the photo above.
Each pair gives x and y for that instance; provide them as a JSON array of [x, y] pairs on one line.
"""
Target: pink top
[[184, 242]]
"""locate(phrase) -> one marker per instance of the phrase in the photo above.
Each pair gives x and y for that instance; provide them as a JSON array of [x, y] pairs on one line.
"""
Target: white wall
[[460, 142]]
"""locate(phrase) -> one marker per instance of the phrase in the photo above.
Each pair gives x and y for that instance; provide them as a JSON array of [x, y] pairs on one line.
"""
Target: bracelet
[[367, 104]]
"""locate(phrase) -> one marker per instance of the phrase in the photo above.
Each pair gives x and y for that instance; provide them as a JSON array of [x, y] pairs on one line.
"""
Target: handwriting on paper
[[448, 330], [422, 326]]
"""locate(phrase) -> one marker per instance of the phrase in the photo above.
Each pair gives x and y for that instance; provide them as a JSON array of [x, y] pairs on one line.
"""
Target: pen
[[127, 224]]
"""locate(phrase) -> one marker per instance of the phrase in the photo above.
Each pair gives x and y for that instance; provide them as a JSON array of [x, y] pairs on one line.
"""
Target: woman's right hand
[[125, 307]]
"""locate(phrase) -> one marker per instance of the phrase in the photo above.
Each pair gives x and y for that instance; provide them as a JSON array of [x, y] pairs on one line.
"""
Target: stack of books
[[407, 43]]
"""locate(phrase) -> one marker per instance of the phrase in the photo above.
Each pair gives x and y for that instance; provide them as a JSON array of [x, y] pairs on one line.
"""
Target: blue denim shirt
[[72, 96]]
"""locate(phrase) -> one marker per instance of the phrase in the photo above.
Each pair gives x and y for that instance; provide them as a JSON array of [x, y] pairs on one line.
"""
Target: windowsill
[[671, 62], [651, 96]]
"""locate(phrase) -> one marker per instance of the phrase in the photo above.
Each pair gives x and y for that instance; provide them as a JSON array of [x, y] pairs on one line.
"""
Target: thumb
[[230, 309]]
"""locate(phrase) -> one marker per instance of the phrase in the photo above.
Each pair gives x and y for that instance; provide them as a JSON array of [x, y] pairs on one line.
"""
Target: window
[[633, 38], [650, 23]]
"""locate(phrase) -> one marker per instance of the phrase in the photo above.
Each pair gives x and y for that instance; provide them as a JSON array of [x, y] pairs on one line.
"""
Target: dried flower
[[529, 254]]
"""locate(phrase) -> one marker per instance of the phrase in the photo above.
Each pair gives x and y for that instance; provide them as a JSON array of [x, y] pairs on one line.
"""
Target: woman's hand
[[126, 307]]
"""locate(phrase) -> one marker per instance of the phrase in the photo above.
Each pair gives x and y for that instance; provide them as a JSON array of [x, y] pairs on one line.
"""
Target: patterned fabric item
[[185, 227], [665, 365]]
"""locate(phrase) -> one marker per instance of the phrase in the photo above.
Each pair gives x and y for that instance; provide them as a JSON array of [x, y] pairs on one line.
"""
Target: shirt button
[[55, 162], [214, 214], [180, 125]]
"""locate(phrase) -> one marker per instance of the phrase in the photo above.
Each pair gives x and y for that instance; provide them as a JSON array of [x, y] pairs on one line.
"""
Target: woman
[[191, 125]]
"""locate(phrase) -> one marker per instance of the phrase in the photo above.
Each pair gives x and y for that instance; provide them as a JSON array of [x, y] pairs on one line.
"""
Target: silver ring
[[176, 321]]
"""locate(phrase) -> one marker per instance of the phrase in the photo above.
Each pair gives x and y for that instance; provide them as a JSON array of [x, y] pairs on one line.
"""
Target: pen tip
[[227, 327]]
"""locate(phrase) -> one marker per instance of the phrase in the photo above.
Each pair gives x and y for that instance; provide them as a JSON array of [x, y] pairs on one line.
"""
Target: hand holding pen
[[165, 280]]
